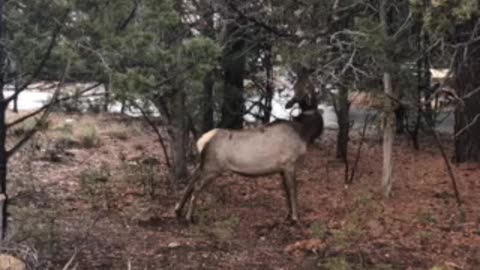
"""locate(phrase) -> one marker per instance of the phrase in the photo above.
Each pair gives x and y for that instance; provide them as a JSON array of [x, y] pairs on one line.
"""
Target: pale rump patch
[[205, 139]]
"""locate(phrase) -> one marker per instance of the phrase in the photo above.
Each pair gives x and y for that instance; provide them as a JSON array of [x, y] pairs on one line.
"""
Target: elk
[[274, 148]]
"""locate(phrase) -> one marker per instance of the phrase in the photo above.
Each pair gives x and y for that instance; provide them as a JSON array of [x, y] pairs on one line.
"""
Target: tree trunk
[[467, 117], [207, 117], [343, 119], [388, 136], [234, 72], [15, 100], [107, 95], [389, 116], [15, 105], [267, 109], [467, 143], [400, 119], [3, 132], [123, 105], [3, 169], [179, 135]]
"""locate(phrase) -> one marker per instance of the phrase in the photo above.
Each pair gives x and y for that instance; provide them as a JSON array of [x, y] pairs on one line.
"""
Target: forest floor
[[97, 188]]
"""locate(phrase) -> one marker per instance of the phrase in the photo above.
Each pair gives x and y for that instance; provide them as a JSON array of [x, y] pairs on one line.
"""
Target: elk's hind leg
[[291, 192], [287, 194], [188, 192], [204, 180]]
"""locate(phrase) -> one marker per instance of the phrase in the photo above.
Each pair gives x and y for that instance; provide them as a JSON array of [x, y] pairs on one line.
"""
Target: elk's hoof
[[178, 211], [292, 220], [190, 220]]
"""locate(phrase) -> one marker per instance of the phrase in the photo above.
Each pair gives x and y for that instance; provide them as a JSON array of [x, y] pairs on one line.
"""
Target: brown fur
[[277, 147]]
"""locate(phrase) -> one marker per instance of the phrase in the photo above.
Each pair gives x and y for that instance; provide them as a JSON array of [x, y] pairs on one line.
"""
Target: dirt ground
[[97, 188]]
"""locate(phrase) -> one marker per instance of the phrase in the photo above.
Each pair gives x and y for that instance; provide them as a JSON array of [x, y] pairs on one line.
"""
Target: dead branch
[[70, 261], [263, 25], [121, 26], [445, 158], [157, 132], [44, 116], [471, 93], [460, 132], [48, 105]]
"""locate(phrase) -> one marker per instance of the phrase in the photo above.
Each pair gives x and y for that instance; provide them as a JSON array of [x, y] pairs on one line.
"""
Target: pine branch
[[46, 56]]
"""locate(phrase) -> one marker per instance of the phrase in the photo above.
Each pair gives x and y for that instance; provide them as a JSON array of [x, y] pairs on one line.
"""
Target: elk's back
[[257, 151]]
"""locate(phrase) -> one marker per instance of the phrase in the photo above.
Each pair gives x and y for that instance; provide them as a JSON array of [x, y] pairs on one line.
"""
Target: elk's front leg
[[287, 194]]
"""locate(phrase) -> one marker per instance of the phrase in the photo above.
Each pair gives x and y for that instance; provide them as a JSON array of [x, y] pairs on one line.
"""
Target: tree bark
[[234, 73], [267, 109], [15, 100], [207, 121], [179, 135], [3, 132], [389, 116], [15, 105], [388, 136], [400, 119], [123, 105], [467, 80], [207, 117], [107, 94], [3, 168], [343, 120]]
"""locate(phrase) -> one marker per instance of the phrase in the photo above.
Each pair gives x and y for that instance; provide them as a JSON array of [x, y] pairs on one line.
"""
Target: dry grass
[[87, 135], [117, 131]]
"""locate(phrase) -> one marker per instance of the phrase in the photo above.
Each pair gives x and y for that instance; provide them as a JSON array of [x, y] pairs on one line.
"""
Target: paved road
[[30, 100]]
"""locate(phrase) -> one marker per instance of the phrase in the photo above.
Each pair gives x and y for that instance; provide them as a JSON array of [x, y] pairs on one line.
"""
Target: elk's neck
[[310, 130]]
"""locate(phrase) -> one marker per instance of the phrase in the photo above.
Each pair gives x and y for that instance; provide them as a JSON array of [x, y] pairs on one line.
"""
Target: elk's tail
[[205, 138]]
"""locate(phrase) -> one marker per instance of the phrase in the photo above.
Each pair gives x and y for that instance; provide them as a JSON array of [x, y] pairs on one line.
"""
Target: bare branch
[[48, 105], [157, 132], [445, 159], [98, 54], [460, 132], [44, 116], [471, 93], [404, 27], [263, 25], [121, 26], [70, 261]]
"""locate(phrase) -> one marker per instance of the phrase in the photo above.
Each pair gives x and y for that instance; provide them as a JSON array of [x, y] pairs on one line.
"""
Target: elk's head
[[304, 90]]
